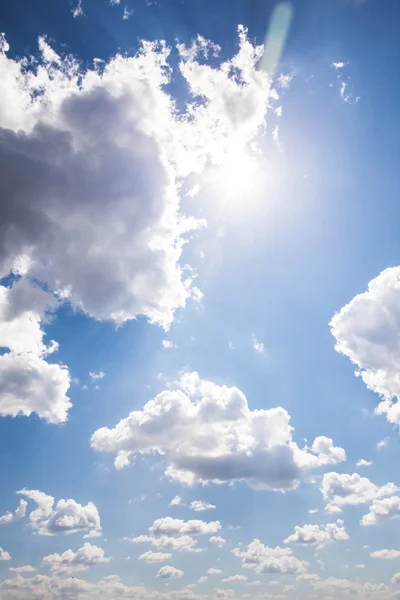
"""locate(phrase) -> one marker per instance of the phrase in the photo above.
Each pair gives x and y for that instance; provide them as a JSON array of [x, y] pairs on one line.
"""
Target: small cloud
[[167, 344], [312, 511], [285, 79], [193, 191], [127, 13], [200, 505], [85, 387], [201, 579], [278, 111], [257, 345], [213, 571], [96, 376], [78, 10], [177, 501], [231, 346], [383, 443], [364, 463], [337, 65]]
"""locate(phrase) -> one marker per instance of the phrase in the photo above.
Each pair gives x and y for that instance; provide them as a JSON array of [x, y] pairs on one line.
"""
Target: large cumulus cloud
[[90, 161], [208, 433]]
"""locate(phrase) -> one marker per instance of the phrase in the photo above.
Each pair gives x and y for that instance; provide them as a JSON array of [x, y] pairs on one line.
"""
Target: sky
[[199, 300]]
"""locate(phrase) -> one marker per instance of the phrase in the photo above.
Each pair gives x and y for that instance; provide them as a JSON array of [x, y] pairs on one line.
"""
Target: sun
[[236, 177]]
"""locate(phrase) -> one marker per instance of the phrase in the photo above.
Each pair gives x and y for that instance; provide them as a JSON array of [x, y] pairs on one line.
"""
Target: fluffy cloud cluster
[[382, 510], [90, 161], [208, 433], [200, 505], [167, 572], [28, 383], [4, 555], [317, 535], [263, 559], [154, 557], [334, 585], [176, 534], [42, 587], [341, 490], [170, 526], [72, 562], [367, 330], [19, 513], [66, 517], [217, 540]]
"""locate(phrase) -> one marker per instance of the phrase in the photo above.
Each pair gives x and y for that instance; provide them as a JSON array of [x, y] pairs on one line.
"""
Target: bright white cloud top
[[209, 433]]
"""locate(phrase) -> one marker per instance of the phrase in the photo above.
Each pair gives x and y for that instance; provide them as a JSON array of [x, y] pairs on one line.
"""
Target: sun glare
[[236, 178]]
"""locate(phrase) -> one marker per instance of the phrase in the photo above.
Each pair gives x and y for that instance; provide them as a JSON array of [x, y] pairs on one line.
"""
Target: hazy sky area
[[199, 300]]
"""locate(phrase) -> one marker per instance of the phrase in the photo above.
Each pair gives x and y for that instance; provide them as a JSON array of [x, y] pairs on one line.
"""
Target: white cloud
[[66, 517], [96, 376], [382, 443], [257, 345], [364, 463], [154, 557], [396, 578], [110, 193], [385, 554], [207, 432], [381, 510], [167, 572], [28, 383], [4, 555], [317, 535], [73, 562], [263, 559], [200, 505], [341, 490], [213, 571], [337, 65], [23, 569], [308, 577], [127, 13], [202, 579], [344, 586], [235, 578], [367, 331], [183, 543], [55, 587], [20, 512], [169, 526], [218, 540], [168, 345], [285, 79], [313, 511], [177, 501]]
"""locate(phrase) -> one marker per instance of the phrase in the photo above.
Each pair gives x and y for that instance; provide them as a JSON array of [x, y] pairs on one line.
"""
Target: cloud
[[341, 490], [4, 555], [207, 432], [235, 578], [167, 572], [381, 510], [385, 554], [213, 571], [169, 526], [257, 345], [23, 569], [66, 517], [337, 65], [344, 586], [96, 376], [364, 463], [313, 511], [73, 562], [20, 512], [183, 543], [200, 505], [154, 557], [218, 540], [367, 331], [263, 559], [61, 588], [317, 535], [396, 578], [28, 383], [177, 501], [90, 161], [168, 345]]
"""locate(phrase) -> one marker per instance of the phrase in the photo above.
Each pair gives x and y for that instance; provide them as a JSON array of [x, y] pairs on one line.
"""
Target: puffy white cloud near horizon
[[340, 490], [209, 433], [263, 559], [317, 535], [73, 562]]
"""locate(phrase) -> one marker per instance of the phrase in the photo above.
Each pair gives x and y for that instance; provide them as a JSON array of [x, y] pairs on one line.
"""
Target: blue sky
[[222, 241]]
